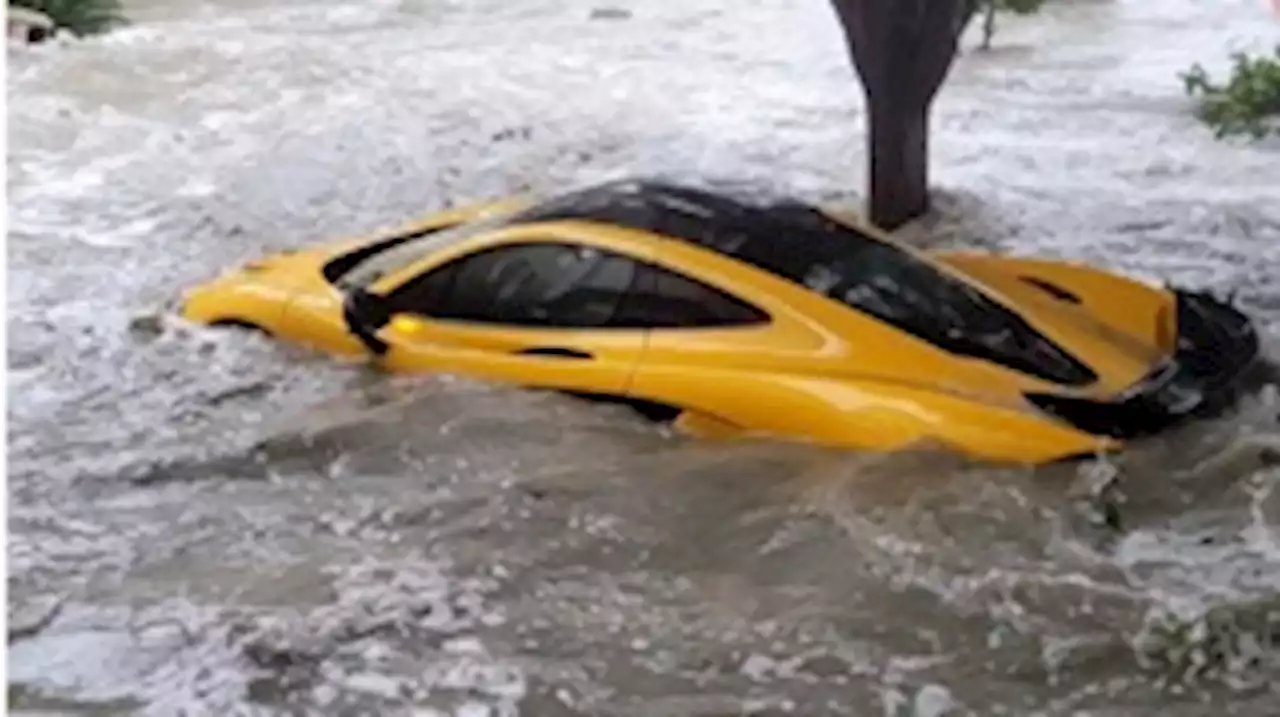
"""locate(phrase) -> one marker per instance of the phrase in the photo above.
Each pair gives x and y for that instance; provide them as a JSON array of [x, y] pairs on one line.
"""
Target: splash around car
[[737, 315]]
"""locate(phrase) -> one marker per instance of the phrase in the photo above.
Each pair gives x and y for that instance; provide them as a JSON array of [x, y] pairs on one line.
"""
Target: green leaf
[[1248, 104], [1020, 7], [81, 17]]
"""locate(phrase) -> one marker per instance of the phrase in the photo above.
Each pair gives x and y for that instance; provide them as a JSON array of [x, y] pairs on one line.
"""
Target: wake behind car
[[737, 315]]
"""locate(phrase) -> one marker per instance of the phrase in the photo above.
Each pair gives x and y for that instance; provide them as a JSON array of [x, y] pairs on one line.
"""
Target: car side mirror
[[409, 326]]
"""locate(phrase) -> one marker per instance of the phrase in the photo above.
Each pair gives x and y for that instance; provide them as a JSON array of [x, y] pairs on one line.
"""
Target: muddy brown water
[[209, 523]]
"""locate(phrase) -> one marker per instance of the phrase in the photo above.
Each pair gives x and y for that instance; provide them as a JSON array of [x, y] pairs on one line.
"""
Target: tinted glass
[[530, 284], [564, 285], [363, 266], [663, 299], [894, 286]]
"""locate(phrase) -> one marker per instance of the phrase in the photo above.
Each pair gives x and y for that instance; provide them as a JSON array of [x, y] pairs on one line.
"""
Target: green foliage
[[1249, 104], [1019, 7], [81, 17]]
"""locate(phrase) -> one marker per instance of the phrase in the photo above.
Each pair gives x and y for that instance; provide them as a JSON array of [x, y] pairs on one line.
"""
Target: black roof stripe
[[713, 219]]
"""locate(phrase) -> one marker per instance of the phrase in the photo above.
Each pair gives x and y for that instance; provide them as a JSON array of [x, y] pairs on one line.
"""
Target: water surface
[[210, 522]]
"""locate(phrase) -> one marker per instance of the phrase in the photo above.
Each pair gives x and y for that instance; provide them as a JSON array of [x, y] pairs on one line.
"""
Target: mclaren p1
[[734, 315]]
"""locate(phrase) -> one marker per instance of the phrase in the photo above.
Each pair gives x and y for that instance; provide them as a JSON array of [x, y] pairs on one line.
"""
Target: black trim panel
[[365, 314], [1216, 350]]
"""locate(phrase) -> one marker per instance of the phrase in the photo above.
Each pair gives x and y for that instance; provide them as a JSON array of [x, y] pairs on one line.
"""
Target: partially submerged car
[[736, 315]]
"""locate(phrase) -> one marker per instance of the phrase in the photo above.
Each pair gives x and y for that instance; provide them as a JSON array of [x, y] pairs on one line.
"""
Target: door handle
[[556, 352]]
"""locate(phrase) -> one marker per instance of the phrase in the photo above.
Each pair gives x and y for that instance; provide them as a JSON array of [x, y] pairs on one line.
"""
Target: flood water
[[209, 523]]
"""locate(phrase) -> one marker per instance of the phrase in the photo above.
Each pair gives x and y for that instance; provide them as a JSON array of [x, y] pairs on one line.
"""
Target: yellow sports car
[[732, 315]]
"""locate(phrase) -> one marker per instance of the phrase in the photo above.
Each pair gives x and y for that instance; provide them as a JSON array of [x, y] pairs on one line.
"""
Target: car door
[[533, 312], [727, 361]]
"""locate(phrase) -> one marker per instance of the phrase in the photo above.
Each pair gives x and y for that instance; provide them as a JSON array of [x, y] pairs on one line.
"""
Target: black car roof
[[715, 219], [776, 233]]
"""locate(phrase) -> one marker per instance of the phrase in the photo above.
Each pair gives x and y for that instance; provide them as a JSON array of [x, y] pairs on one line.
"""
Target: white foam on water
[[207, 133]]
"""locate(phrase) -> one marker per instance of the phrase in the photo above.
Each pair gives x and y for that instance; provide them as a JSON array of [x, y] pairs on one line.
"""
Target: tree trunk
[[902, 51], [988, 24], [898, 144]]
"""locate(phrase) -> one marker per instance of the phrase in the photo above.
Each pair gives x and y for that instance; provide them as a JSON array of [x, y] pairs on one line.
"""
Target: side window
[[541, 284], [429, 293], [663, 299], [568, 286]]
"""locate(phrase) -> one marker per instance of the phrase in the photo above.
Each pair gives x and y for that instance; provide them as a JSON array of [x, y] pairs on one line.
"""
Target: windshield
[[364, 266]]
